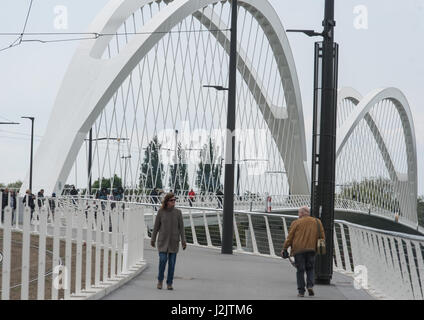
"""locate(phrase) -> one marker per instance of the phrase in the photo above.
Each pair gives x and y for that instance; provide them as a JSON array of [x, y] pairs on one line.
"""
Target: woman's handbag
[[321, 242]]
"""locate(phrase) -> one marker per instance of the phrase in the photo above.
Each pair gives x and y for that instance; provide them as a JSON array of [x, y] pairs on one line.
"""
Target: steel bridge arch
[[408, 204], [90, 83]]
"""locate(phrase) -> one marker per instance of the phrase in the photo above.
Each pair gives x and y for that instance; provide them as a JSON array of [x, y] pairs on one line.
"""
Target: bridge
[[91, 249], [136, 113]]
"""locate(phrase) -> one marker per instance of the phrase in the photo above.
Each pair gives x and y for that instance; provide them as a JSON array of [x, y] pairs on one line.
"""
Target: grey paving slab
[[206, 274]]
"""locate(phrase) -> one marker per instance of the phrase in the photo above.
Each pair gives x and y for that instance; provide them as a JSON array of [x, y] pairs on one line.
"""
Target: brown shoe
[[311, 292], [159, 285], [170, 287]]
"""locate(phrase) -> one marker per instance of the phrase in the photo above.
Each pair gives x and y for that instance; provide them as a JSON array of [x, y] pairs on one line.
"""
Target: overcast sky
[[386, 49]]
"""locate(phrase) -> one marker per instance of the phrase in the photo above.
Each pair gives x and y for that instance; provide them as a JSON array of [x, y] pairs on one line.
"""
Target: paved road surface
[[206, 274]]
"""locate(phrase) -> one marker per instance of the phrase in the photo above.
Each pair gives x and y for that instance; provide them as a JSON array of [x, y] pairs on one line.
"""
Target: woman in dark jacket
[[170, 226]]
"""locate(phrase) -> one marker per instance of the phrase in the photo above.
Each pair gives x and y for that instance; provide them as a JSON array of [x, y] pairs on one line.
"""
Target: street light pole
[[238, 170], [176, 176], [228, 211], [324, 137], [324, 140], [32, 150], [90, 159]]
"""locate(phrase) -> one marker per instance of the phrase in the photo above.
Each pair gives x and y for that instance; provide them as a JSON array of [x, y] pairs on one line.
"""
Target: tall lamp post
[[228, 211], [238, 171], [324, 137], [176, 175], [32, 150], [90, 159]]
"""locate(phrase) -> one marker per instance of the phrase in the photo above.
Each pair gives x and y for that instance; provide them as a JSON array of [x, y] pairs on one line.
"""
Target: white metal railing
[[391, 263], [258, 203], [388, 264], [281, 203], [66, 248]]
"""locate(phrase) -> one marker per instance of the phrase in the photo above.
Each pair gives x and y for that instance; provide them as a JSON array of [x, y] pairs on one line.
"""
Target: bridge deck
[[206, 274]]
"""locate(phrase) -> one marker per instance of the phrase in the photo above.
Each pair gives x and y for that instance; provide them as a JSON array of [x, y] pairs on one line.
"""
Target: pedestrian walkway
[[206, 274]]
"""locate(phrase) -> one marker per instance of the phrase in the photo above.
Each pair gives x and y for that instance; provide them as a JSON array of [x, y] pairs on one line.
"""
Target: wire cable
[[26, 20], [94, 35], [19, 40]]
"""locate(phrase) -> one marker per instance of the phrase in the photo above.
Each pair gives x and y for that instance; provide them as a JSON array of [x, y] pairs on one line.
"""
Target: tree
[[152, 169], [209, 171], [15, 185], [379, 192], [178, 180], [110, 183]]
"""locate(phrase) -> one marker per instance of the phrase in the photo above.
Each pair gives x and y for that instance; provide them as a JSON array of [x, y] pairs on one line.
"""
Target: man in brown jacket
[[302, 238], [170, 226]]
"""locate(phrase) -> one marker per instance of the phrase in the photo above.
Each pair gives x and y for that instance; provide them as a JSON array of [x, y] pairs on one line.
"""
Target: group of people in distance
[[156, 196], [9, 198]]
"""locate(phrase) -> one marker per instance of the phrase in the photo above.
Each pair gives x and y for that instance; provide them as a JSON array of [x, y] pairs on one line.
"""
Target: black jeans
[[305, 262]]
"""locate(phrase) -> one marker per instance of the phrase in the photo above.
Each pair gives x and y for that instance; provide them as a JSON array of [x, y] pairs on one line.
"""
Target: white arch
[[361, 112], [90, 83], [299, 175], [348, 93], [355, 97]]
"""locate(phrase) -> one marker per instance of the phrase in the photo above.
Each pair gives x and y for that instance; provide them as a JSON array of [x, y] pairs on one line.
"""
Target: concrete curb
[[111, 285]]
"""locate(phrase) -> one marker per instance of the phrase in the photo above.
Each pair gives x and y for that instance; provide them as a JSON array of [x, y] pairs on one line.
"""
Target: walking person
[[40, 196], [52, 205], [74, 195], [303, 237], [74, 192], [170, 226], [4, 202], [191, 196], [13, 204]]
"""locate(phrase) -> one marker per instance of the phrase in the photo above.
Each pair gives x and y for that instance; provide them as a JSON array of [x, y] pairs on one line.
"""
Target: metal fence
[[281, 203], [65, 240], [389, 264], [267, 203], [66, 248]]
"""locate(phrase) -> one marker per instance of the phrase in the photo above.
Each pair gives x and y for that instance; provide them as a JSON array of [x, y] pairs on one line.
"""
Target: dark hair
[[165, 201]]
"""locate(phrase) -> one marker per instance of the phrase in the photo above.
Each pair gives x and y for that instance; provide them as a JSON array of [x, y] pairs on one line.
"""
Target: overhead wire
[[92, 36], [19, 40]]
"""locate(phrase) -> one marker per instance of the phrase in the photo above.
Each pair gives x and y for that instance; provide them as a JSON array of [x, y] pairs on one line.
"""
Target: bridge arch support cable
[[405, 184], [91, 82]]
